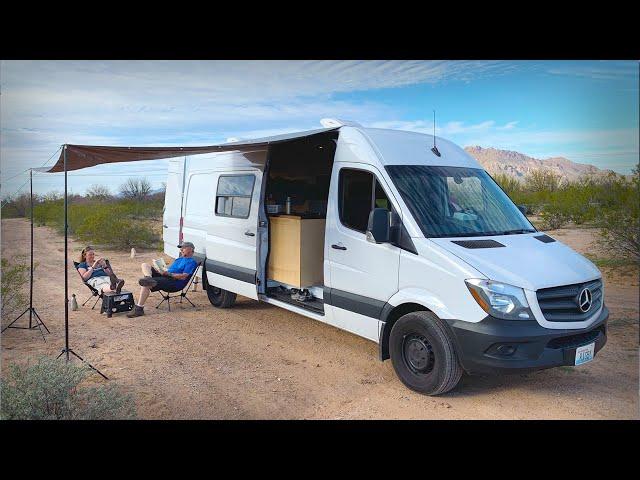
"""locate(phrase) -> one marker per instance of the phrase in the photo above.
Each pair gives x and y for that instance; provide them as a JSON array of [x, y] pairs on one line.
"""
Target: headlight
[[499, 299]]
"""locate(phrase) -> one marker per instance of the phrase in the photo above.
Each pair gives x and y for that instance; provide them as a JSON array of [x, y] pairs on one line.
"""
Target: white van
[[379, 233]]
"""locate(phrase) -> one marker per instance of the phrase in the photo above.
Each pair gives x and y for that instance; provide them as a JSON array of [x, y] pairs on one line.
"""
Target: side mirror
[[523, 209], [379, 226]]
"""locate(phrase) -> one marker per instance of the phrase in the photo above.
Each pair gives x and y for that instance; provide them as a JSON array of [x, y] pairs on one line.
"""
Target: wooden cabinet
[[296, 253]]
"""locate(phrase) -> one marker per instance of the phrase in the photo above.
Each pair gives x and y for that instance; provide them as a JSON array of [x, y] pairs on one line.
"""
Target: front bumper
[[495, 346]]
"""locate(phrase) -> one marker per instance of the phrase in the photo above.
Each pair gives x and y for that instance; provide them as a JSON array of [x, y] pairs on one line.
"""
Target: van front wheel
[[423, 355], [220, 298]]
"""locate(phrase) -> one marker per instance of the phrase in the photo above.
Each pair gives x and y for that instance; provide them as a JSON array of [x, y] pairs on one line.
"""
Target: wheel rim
[[418, 354], [216, 290]]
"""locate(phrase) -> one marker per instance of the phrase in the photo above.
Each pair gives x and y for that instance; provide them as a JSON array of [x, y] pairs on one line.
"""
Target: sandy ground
[[256, 361]]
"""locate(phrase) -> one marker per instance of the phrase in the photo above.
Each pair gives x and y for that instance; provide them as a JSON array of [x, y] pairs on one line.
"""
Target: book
[[160, 265]]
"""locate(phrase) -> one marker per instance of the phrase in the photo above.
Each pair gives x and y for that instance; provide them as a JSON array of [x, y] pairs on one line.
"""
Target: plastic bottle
[[74, 302], [288, 206]]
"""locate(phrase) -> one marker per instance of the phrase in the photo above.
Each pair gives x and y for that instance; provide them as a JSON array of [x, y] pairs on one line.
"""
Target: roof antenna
[[434, 149]]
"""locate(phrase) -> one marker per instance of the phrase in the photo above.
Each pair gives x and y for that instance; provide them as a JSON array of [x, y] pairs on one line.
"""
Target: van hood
[[524, 261]]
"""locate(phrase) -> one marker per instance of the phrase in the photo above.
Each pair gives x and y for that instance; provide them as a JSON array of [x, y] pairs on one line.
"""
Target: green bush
[[50, 390], [620, 226], [542, 181], [553, 217], [113, 227], [15, 276], [509, 184], [119, 223]]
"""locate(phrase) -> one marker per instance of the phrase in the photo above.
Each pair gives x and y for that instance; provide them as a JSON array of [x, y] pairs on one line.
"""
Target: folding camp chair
[[94, 292], [183, 293]]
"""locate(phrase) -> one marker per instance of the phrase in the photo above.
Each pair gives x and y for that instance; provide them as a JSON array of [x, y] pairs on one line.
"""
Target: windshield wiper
[[482, 234], [516, 232]]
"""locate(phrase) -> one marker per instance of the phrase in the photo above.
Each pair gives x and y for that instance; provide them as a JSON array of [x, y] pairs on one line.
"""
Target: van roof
[[394, 147], [275, 138], [400, 147]]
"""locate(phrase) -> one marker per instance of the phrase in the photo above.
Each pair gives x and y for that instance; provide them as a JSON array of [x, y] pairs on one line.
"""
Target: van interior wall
[[301, 170]]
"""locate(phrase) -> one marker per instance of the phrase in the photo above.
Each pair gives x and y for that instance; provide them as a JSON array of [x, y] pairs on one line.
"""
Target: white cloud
[[46, 103], [604, 70], [448, 129]]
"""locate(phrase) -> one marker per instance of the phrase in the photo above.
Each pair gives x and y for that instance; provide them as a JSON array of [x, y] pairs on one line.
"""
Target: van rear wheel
[[423, 355], [220, 298]]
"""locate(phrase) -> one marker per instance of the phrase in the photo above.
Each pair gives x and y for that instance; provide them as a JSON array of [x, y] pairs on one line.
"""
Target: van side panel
[[435, 279], [198, 205], [225, 240]]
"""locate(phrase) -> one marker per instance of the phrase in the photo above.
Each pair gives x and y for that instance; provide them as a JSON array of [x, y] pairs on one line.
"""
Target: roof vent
[[478, 243], [334, 123]]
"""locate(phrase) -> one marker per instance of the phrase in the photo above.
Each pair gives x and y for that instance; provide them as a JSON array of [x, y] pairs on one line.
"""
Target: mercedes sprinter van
[[380, 233]]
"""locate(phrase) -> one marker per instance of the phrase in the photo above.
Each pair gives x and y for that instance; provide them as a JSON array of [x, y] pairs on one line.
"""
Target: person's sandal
[[119, 286]]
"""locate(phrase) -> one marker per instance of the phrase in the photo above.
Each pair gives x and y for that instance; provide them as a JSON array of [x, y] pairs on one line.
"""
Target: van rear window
[[233, 196]]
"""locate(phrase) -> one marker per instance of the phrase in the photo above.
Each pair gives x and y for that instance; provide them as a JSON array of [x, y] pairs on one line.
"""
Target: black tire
[[423, 354], [220, 298]]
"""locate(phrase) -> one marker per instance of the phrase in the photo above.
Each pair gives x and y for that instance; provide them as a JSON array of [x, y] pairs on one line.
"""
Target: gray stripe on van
[[369, 307], [232, 271]]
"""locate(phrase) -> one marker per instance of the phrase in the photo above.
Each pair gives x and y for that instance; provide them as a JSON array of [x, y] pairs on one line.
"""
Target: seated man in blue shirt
[[174, 279]]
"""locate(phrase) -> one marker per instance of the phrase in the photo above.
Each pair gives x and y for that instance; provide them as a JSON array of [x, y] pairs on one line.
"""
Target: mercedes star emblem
[[585, 299]]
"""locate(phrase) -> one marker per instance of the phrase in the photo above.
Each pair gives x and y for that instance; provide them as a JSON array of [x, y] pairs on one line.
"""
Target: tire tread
[[451, 366]]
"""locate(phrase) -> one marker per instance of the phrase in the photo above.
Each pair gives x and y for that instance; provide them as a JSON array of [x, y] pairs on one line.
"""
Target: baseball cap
[[187, 244]]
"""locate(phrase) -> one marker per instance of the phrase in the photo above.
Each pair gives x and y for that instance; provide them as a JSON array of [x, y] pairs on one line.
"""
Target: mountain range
[[518, 165]]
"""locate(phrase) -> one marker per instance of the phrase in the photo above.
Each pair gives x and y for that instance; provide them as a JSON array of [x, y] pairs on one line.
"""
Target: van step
[[316, 305]]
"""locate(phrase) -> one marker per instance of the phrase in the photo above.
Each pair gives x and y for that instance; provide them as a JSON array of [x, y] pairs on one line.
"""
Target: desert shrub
[[112, 227], [553, 217], [50, 390], [15, 276], [509, 184], [619, 224], [542, 181], [98, 192], [136, 188], [119, 223], [619, 234]]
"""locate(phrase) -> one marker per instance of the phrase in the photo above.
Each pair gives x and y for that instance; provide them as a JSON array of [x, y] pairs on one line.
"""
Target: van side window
[[233, 198], [359, 193]]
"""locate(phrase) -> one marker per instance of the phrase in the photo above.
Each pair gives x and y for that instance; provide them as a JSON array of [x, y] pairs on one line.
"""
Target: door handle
[[165, 226], [338, 246], [249, 234]]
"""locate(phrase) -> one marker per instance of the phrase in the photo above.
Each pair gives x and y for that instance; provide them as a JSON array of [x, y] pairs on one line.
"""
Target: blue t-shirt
[[98, 272], [183, 265]]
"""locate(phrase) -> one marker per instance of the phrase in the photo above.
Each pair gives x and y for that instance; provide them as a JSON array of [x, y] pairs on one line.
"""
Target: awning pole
[[66, 259], [66, 350]]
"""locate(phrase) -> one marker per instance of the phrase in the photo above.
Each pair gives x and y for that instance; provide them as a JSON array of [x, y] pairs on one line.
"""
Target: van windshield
[[457, 202]]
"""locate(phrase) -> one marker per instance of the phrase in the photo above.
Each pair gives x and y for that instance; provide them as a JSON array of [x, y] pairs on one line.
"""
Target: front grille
[[560, 304]]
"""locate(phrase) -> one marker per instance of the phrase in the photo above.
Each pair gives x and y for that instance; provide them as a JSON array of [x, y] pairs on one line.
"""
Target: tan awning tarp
[[83, 156]]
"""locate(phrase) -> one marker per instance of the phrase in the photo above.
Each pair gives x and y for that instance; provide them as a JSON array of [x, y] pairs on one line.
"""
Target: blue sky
[[586, 111]]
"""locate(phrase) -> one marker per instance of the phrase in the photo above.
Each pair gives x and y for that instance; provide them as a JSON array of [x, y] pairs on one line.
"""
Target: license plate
[[585, 354]]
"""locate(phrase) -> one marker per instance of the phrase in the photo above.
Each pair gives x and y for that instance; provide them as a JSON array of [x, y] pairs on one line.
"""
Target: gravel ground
[[256, 361]]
